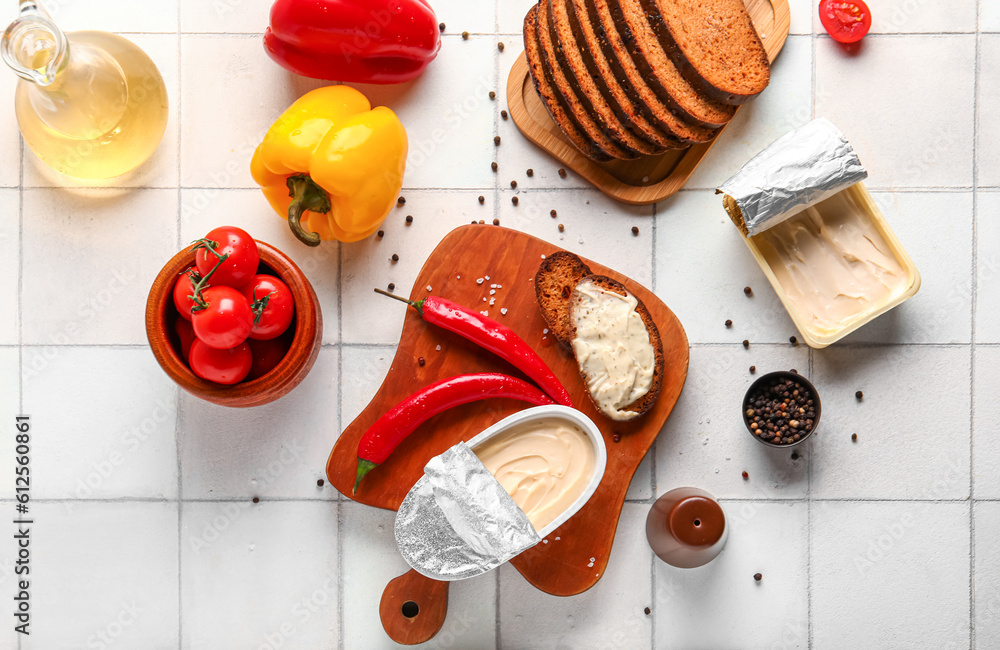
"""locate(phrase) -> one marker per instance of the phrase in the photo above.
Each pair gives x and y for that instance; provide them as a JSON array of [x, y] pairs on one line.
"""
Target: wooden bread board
[[647, 179], [510, 259]]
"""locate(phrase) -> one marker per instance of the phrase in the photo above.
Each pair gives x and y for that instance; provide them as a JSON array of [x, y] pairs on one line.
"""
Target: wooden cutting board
[[647, 179], [510, 259]]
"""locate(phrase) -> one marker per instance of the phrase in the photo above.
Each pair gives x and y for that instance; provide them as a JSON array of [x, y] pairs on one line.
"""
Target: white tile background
[[144, 494]]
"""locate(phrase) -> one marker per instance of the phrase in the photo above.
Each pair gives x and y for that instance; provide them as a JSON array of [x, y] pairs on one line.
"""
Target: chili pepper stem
[[364, 466], [306, 196], [416, 304]]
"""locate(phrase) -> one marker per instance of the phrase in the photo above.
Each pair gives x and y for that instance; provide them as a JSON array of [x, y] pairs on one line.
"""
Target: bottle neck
[[33, 45]]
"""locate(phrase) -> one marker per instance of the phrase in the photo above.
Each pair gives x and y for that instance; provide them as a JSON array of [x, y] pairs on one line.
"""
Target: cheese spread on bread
[[612, 348]]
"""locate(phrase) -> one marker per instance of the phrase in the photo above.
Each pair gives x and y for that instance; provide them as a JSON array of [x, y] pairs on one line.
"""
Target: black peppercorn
[[503, 114], [729, 323], [748, 291], [381, 233], [530, 173], [465, 36], [746, 343], [513, 185], [562, 173], [496, 222], [409, 219], [401, 200], [859, 395], [635, 230], [392, 286], [493, 166], [513, 200], [482, 199], [496, 140], [758, 577], [395, 258], [493, 95]]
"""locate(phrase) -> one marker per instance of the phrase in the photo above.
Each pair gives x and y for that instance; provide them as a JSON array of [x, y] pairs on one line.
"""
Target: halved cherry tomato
[[267, 354], [221, 366], [847, 21], [183, 289], [227, 319], [186, 335], [239, 267], [273, 306]]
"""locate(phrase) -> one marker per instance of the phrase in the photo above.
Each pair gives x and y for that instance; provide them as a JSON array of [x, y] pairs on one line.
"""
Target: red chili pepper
[[401, 420], [490, 335], [360, 41]]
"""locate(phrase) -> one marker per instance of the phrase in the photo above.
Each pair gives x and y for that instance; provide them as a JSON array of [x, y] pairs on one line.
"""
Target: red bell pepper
[[359, 41]]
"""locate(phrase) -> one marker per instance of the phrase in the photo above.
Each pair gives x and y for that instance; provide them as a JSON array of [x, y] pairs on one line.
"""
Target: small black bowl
[[769, 378]]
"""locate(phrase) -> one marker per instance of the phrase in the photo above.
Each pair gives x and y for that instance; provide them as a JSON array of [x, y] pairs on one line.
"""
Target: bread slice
[[567, 94], [659, 70], [589, 86], [714, 45], [555, 282], [549, 96], [626, 104]]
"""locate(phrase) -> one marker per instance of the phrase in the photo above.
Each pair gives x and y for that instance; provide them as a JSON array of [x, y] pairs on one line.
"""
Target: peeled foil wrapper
[[798, 170], [458, 521]]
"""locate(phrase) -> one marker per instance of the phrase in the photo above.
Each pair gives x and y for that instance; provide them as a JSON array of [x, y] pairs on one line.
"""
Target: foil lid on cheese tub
[[799, 169], [458, 521]]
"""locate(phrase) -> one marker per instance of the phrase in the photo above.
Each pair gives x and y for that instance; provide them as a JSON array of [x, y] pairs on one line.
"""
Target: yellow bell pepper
[[332, 165]]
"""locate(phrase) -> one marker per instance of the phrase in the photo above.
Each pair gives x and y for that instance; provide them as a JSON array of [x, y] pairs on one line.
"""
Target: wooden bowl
[[298, 361]]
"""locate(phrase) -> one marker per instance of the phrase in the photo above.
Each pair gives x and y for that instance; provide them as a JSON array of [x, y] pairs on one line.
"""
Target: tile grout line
[[497, 633], [340, 429], [653, 447], [809, 466], [20, 288], [972, 336], [178, 414]]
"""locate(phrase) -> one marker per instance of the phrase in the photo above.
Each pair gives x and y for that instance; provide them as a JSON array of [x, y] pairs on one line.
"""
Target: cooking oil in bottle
[[91, 105]]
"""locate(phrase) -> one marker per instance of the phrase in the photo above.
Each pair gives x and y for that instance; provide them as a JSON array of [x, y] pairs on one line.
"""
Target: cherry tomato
[[267, 354], [847, 21], [239, 267], [226, 321], [185, 333], [221, 366], [274, 300], [183, 289]]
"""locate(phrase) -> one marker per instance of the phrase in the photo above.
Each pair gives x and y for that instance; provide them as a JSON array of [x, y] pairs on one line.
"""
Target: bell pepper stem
[[364, 466], [416, 304], [306, 196]]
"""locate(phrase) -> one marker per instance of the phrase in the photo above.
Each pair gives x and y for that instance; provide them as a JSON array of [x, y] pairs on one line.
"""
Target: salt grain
[[479, 281], [428, 287], [438, 348], [503, 310], [485, 312]]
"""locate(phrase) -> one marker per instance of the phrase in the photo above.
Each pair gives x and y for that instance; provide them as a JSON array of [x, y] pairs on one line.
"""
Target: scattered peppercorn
[[745, 475], [513, 200], [635, 230], [381, 234], [530, 173], [500, 46], [552, 213], [795, 455], [503, 114], [562, 173], [781, 412], [647, 611], [319, 483], [409, 218], [753, 370], [392, 286], [465, 36], [493, 95], [256, 500], [794, 371], [481, 221], [395, 258], [746, 344], [496, 222], [729, 323], [482, 199], [758, 577], [421, 362], [748, 291], [496, 140], [859, 395], [793, 340], [493, 166], [561, 227], [617, 437], [441, 27], [513, 185], [401, 200], [854, 437]]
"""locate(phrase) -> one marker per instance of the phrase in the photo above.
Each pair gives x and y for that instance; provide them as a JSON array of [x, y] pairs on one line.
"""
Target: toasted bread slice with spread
[[620, 359]]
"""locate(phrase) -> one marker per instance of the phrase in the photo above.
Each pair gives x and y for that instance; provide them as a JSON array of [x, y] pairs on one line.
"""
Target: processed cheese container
[[818, 235]]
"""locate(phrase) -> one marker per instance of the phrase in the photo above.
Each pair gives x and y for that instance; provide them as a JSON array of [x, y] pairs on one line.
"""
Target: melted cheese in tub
[[612, 348], [544, 465]]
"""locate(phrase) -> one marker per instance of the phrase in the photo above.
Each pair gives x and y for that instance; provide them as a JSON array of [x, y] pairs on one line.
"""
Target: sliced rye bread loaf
[[565, 90], [714, 44], [549, 96], [646, 401], [591, 90], [557, 277], [627, 105], [635, 28], [628, 75]]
